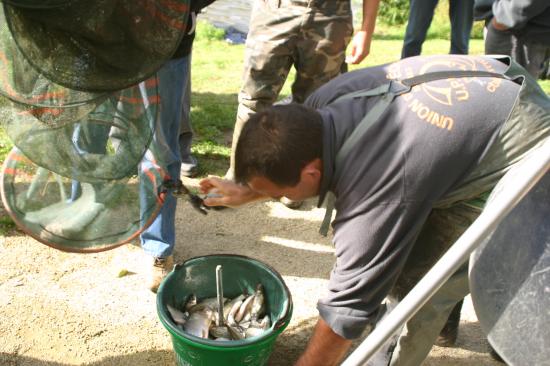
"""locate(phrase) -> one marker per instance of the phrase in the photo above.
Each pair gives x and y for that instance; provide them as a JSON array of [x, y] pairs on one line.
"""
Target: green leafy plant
[[393, 12], [207, 32]]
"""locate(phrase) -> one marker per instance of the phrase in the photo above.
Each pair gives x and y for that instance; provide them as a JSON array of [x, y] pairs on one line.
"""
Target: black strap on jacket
[[388, 93]]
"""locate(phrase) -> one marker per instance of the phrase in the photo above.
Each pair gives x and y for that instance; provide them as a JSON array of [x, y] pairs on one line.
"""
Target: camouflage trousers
[[312, 35]]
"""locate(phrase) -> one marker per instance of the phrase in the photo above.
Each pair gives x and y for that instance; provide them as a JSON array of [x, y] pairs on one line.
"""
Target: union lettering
[[426, 114]]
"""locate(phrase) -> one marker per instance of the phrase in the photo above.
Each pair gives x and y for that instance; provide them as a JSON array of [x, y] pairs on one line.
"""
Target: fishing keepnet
[[78, 216], [79, 99], [97, 45], [38, 4], [30, 92], [107, 143]]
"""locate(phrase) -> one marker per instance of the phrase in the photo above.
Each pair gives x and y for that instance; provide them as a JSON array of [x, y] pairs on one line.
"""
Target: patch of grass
[[216, 80], [5, 145], [441, 25], [545, 84], [392, 23]]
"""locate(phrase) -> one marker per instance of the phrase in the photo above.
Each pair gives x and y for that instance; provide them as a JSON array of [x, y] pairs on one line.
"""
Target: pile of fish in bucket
[[220, 318]]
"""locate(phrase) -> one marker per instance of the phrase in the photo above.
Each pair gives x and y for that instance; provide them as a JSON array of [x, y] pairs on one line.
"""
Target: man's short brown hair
[[277, 143]]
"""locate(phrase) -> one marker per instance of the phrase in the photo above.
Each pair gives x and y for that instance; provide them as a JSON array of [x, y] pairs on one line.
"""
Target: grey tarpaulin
[[510, 280]]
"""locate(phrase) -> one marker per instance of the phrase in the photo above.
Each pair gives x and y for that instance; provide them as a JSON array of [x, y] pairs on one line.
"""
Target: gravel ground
[[72, 309]]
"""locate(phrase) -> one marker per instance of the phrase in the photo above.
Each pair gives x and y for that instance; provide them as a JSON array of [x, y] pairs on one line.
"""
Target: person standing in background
[[312, 35], [518, 28], [171, 148], [420, 17]]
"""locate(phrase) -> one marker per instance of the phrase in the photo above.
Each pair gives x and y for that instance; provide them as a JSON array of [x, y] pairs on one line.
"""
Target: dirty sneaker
[[285, 101], [189, 166], [159, 269]]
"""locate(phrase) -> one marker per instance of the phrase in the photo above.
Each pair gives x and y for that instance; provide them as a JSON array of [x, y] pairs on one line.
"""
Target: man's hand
[[324, 348], [360, 44], [359, 47], [226, 192]]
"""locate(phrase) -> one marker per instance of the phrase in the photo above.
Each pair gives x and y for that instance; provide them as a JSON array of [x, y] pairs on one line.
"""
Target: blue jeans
[[159, 238], [420, 17], [186, 131]]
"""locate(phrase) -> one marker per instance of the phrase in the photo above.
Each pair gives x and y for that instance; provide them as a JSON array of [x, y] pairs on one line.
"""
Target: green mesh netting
[[97, 45], [80, 103], [107, 144], [32, 93], [38, 4], [75, 216]]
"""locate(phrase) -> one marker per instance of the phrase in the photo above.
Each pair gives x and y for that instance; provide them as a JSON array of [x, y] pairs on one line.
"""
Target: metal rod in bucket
[[219, 290]]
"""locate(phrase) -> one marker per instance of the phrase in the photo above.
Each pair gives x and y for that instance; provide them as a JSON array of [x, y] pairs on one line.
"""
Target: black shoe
[[447, 337]]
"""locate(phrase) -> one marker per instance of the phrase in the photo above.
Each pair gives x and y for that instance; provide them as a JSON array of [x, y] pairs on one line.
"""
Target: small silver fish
[[210, 302], [237, 333], [244, 309], [178, 317], [253, 331], [222, 339], [258, 306], [190, 302], [220, 332], [245, 324], [233, 312], [257, 328], [199, 323], [265, 323], [229, 305]]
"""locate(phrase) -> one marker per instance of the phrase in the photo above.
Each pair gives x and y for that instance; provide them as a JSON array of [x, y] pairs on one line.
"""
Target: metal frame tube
[[532, 169]]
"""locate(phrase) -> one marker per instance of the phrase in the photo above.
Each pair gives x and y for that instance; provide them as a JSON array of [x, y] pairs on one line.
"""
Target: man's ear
[[313, 170]]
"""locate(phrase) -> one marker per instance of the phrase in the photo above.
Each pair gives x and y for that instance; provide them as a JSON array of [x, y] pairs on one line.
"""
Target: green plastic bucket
[[198, 276]]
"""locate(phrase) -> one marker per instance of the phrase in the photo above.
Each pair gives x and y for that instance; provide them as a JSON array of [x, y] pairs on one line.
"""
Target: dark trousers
[[530, 54], [420, 18]]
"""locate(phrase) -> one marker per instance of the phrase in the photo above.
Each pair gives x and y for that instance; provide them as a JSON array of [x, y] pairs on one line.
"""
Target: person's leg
[[188, 161], [416, 340], [535, 54], [420, 17], [266, 64], [518, 50], [461, 13], [545, 75], [497, 42], [449, 333], [320, 52], [159, 238], [442, 228], [87, 137]]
